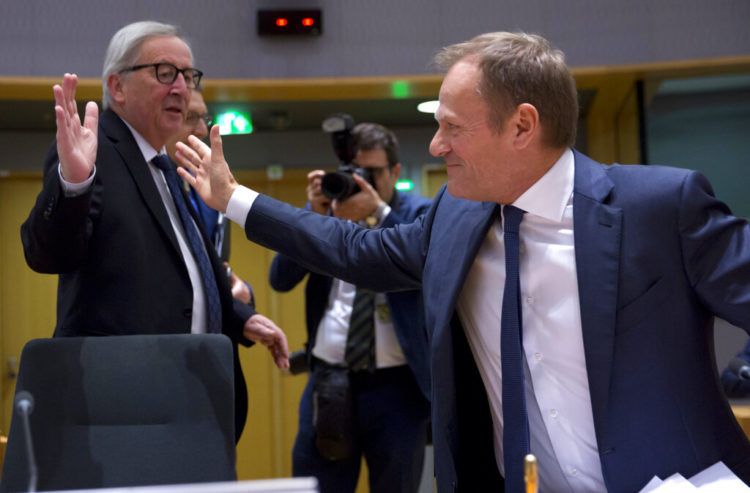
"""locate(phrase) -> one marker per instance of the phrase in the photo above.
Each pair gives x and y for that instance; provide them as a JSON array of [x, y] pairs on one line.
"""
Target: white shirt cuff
[[75, 189], [240, 203]]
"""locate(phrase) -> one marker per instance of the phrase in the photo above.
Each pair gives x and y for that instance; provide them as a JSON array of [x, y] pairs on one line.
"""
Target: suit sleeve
[[400, 217], [243, 312], [716, 251], [385, 259], [56, 234], [285, 273]]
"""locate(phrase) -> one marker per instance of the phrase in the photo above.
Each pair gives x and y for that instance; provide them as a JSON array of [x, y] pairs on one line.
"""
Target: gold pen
[[530, 475]]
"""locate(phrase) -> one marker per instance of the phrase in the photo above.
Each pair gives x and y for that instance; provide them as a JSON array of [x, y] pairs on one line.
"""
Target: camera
[[339, 184]]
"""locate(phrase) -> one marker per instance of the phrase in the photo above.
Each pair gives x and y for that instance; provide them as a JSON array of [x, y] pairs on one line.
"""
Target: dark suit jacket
[[406, 306], [657, 257], [121, 270]]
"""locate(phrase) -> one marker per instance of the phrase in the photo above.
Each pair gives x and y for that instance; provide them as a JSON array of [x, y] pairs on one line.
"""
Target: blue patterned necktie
[[213, 302], [515, 420]]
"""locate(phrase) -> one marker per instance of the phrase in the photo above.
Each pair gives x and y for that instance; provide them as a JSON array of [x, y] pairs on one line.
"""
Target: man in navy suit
[[390, 400], [107, 222], [621, 272]]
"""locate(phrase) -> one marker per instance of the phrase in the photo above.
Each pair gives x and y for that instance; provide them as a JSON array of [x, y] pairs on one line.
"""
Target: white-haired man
[[109, 222]]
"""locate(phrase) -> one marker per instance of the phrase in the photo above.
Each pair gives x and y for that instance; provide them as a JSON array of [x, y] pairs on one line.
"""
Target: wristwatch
[[377, 216]]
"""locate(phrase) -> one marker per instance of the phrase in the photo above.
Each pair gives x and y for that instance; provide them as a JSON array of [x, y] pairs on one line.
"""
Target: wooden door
[[27, 299]]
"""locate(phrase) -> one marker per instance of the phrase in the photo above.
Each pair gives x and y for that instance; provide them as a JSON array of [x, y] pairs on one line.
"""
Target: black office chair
[[125, 411]]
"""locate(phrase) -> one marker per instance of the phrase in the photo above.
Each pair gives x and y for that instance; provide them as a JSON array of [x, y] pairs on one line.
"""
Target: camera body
[[340, 184]]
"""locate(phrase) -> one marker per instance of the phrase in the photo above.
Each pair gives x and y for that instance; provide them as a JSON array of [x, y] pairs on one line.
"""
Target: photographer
[[368, 352]]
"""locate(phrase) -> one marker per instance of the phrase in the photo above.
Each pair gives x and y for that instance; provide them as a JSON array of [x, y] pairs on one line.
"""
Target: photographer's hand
[[318, 202], [360, 205]]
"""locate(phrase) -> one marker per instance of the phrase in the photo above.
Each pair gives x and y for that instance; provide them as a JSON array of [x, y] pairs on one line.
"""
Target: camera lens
[[338, 185]]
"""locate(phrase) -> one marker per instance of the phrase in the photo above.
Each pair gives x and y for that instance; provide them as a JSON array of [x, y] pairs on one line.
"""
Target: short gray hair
[[521, 68], [124, 49]]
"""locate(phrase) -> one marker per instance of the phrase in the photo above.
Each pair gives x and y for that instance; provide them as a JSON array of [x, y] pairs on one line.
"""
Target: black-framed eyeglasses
[[166, 73], [193, 118]]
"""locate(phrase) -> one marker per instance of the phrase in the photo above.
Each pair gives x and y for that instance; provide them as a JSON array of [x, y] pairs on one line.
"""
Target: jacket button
[[187, 312]]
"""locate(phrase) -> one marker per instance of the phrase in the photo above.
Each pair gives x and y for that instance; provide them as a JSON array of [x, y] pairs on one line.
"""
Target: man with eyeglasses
[[112, 221], [385, 417]]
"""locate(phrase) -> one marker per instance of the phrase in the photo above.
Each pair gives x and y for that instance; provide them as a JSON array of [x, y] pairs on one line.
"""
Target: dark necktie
[[209, 217], [360, 342], [213, 303], [515, 420]]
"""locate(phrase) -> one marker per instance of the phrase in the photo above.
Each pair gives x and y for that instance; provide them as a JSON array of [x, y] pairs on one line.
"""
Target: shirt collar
[[551, 193], [148, 152]]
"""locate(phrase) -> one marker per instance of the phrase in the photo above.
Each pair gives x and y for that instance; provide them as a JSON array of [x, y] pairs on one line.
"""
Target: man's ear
[[395, 172], [116, 90], [526, 121]]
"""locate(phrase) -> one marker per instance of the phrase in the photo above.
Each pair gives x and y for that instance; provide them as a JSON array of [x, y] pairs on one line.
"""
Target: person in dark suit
[[108, 223], [197, 122], [615, 274], [390, 395]]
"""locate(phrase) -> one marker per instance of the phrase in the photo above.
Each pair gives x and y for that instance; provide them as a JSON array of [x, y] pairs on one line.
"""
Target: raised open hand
[[206, 170], [76, 143]]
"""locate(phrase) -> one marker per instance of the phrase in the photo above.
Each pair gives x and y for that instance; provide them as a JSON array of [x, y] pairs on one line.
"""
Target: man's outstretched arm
[[389, 259]]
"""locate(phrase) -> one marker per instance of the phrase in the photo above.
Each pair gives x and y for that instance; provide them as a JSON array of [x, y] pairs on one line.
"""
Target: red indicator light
[[288, 22]]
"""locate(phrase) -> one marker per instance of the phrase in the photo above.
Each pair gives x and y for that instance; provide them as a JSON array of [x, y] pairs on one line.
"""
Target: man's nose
[[180, 84], [201, 131], [438, 146]]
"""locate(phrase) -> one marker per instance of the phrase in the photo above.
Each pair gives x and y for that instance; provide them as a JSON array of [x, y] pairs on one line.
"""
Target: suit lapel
[[124, 142], [459, 228], [464, 226], [598, 231]]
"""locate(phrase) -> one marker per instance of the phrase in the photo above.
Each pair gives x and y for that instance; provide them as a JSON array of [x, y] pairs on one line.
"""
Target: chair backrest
[[125, 411]]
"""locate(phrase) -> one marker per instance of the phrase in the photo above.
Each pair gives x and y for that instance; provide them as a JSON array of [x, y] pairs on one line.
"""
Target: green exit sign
[[234, 123], [404, 185]]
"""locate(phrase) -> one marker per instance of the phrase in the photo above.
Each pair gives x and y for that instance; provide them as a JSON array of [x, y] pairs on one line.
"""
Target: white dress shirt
[[552, 334], [199, 317]]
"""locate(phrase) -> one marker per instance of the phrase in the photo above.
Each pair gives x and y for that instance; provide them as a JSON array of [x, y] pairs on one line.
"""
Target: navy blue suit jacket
[[657, 256], [120, 266], [406, 306]]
